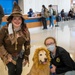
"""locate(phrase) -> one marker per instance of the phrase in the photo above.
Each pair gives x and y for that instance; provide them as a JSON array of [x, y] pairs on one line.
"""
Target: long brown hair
[[23, 25], [44, 7]]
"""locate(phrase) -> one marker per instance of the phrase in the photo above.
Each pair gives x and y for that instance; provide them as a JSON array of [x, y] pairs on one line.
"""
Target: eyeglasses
[[50, 43]]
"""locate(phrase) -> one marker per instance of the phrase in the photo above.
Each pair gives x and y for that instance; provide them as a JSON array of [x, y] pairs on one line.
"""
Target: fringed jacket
[[14, 43]]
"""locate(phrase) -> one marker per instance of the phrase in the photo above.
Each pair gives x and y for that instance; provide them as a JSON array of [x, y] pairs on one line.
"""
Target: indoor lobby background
[[64, 33]]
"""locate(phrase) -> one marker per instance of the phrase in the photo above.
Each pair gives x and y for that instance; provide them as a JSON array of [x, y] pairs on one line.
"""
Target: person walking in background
[[1, 14], [44, 15], [61, 62], [51, 18], [13, 37]]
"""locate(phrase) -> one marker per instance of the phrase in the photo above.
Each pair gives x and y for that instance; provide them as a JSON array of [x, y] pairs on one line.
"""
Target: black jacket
[[62, 61]]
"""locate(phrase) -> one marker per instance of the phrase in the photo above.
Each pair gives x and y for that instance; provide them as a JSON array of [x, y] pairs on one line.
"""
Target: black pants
[[43, 19], [15, 69]]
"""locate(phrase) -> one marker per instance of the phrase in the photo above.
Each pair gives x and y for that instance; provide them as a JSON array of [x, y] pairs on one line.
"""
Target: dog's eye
[[40, 54]]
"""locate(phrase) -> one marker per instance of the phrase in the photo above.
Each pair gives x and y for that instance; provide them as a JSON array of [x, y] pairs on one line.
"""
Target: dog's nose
[[45, 59]]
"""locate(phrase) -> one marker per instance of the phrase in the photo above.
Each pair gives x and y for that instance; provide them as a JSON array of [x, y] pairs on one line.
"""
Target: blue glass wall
[[7, 6]]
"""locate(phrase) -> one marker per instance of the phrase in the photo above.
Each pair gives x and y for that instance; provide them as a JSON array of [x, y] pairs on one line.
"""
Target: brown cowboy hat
[[16, 11]]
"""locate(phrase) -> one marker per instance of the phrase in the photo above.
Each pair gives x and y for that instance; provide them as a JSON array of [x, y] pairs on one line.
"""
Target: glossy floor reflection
[[64, 34]]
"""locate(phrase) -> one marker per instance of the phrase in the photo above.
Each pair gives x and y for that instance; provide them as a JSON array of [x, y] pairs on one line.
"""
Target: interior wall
[[64, 4], [36, 4], [21, 4]]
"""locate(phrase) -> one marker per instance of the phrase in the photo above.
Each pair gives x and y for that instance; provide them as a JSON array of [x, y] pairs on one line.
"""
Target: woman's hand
[[53, 69], [25, 62], [9, 58]]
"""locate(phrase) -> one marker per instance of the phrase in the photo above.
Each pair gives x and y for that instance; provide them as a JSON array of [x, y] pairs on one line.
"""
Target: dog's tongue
[[44, 62]]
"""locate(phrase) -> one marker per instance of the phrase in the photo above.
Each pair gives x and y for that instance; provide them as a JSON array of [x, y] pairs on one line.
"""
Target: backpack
[[46, 13], [54, 12]]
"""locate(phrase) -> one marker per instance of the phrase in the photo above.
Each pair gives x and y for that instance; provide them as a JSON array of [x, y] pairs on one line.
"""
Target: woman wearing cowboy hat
[[13, 37]]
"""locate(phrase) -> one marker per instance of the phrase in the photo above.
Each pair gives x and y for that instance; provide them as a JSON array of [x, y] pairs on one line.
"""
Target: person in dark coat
[[1, 14], [30, 13], [62, 14], [61, 61], [70, 14]]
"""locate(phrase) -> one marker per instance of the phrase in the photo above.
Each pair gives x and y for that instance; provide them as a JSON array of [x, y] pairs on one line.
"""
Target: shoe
[[49, 25], [42, 29], [45, 28]]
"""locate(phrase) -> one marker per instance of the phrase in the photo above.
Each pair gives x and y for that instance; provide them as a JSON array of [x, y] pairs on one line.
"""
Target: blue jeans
[[51, 19], [68, 73]]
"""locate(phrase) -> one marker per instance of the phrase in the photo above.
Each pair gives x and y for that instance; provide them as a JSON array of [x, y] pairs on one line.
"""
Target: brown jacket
[[7, 43]]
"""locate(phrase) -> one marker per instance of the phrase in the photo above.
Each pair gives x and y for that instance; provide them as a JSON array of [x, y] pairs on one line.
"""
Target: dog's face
[[42, 57]]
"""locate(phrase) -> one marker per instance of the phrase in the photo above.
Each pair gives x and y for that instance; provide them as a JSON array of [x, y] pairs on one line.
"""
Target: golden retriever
[[41, 62]]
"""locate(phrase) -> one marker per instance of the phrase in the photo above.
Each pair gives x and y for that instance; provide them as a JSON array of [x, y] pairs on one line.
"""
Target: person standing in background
[[51, 17], [62, 14], [70, 14], [15, 42], [1, 14], [44, 16]]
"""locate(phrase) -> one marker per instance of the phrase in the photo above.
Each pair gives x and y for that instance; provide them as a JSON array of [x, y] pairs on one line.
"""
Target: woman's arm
[[5, 56]]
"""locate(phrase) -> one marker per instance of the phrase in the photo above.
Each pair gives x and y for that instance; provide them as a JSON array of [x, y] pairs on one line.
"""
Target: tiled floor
[[64, 34]]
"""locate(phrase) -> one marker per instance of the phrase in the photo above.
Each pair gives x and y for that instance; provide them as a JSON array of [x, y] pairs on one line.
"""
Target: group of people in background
[[47, 13], [63, 16]]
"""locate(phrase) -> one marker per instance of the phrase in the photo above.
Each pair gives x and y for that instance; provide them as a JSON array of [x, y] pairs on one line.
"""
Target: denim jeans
[[51, 19], [67, 73], [70, 73], [61, 74]]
